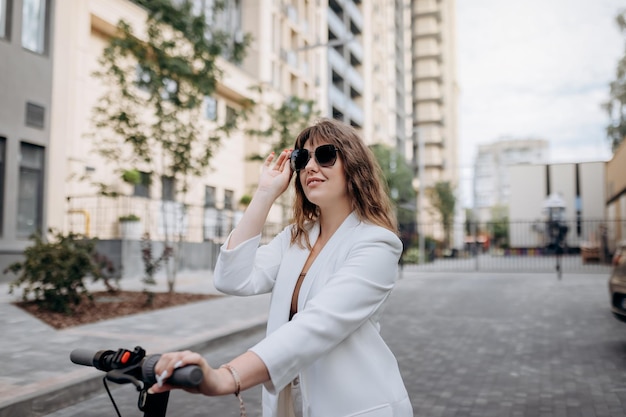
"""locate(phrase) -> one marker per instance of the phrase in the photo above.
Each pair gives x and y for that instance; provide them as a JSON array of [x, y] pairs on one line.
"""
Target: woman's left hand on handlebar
[[168, 362]]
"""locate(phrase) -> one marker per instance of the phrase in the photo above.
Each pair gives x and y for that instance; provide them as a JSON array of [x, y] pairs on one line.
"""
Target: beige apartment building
[[616, 193], [435, 97], [387, 98], [331, 51], [84, 28]]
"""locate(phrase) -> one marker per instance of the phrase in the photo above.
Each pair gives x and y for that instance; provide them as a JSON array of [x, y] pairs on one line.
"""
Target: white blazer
[[333, 343]]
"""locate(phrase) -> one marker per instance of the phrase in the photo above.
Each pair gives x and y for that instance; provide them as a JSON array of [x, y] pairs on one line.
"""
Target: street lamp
[[329, 44], [420, 195]]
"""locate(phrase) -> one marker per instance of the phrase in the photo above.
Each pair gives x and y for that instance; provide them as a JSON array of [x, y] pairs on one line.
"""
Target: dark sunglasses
[[325, 156]]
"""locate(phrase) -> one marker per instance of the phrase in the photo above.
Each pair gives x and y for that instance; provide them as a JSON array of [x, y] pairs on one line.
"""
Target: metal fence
[[568, 246], [104, 217], [587, 244]]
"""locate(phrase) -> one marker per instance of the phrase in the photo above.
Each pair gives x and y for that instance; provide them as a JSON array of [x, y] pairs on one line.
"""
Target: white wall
[[592, 190], [528, 191]]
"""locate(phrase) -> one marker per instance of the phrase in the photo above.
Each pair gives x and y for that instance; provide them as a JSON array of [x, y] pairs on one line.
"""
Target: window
[[142, 78], [2, 159], [30, 190], [210, 108], [143, 188], [211, 215], [169, 90], [35, 115], [168, 188], [209, 196], [34, 25], [229, 197], [231, 115], [5, 19]]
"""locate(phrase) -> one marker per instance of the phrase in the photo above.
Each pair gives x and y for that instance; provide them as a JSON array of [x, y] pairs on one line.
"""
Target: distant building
[[580, 185], [491, 171]]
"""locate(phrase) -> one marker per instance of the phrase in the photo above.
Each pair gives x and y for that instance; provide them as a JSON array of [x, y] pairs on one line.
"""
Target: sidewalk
[[38, 377]]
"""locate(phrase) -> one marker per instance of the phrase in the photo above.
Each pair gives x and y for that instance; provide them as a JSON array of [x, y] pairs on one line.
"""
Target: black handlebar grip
[[83, 357], [188, 376]]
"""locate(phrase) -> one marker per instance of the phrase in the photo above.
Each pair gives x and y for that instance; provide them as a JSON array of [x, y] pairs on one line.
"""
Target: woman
[[330, 274]]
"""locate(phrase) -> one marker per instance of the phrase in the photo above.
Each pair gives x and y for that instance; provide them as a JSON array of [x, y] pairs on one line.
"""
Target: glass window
[[209, 196], [30, 190], [231, 115], [210, 108], [34, 25], [229, 197], [142, 78], [168, 188], [2, 163], [143, 188], [5, 19]]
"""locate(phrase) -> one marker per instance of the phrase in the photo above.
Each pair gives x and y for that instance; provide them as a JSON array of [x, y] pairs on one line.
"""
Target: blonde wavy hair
[[366, 187]]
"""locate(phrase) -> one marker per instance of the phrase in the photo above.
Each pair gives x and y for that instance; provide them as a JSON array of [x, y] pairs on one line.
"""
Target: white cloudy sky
[[536, 68]]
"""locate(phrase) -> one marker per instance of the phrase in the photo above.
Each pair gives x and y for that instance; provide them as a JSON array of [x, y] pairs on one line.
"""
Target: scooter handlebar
[[107, 360]]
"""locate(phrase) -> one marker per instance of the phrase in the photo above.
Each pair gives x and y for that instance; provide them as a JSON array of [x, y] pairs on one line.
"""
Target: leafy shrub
[[411, 256], [152, 264], [129, 218], [132, 176], [53, 272]]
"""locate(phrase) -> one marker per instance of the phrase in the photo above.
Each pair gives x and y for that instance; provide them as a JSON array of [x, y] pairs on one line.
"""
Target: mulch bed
[[107, 305]]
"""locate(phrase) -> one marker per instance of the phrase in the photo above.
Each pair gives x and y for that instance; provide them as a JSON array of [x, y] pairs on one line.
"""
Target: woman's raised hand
[[275, 176], [273, 181]]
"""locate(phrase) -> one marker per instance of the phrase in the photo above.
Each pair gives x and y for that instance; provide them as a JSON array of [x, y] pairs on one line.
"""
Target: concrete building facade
[[26, 165], [434, 97]]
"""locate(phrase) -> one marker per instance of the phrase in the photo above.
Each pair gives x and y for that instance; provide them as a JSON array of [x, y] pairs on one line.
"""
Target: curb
[[84, 383]]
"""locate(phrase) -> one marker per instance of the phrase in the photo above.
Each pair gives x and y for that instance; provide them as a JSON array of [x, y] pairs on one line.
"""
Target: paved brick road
[[508, 345], [479, 345]]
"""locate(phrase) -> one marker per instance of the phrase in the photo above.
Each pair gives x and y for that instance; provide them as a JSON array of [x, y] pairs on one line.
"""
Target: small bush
[[129, 218], [411, 256], [53, 272]]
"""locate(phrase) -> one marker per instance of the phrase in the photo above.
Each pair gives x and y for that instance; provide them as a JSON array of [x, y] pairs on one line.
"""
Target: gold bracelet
[[235, 374]]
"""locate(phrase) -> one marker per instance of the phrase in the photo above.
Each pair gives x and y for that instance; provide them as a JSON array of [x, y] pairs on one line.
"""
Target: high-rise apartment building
[[26, 60], [287, 54], [434, 91], [386, 73], [345, 61]]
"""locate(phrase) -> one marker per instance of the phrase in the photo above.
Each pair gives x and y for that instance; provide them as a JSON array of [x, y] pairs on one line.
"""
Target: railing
[[99, 216], [587, 245], [584, 246]]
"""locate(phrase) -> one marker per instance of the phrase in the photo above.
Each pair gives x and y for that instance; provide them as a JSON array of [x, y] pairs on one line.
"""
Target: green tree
[[616, 104], [156, 86], [443, 200], [500, 226], [283, 125], [285, 122], [399, 178]]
